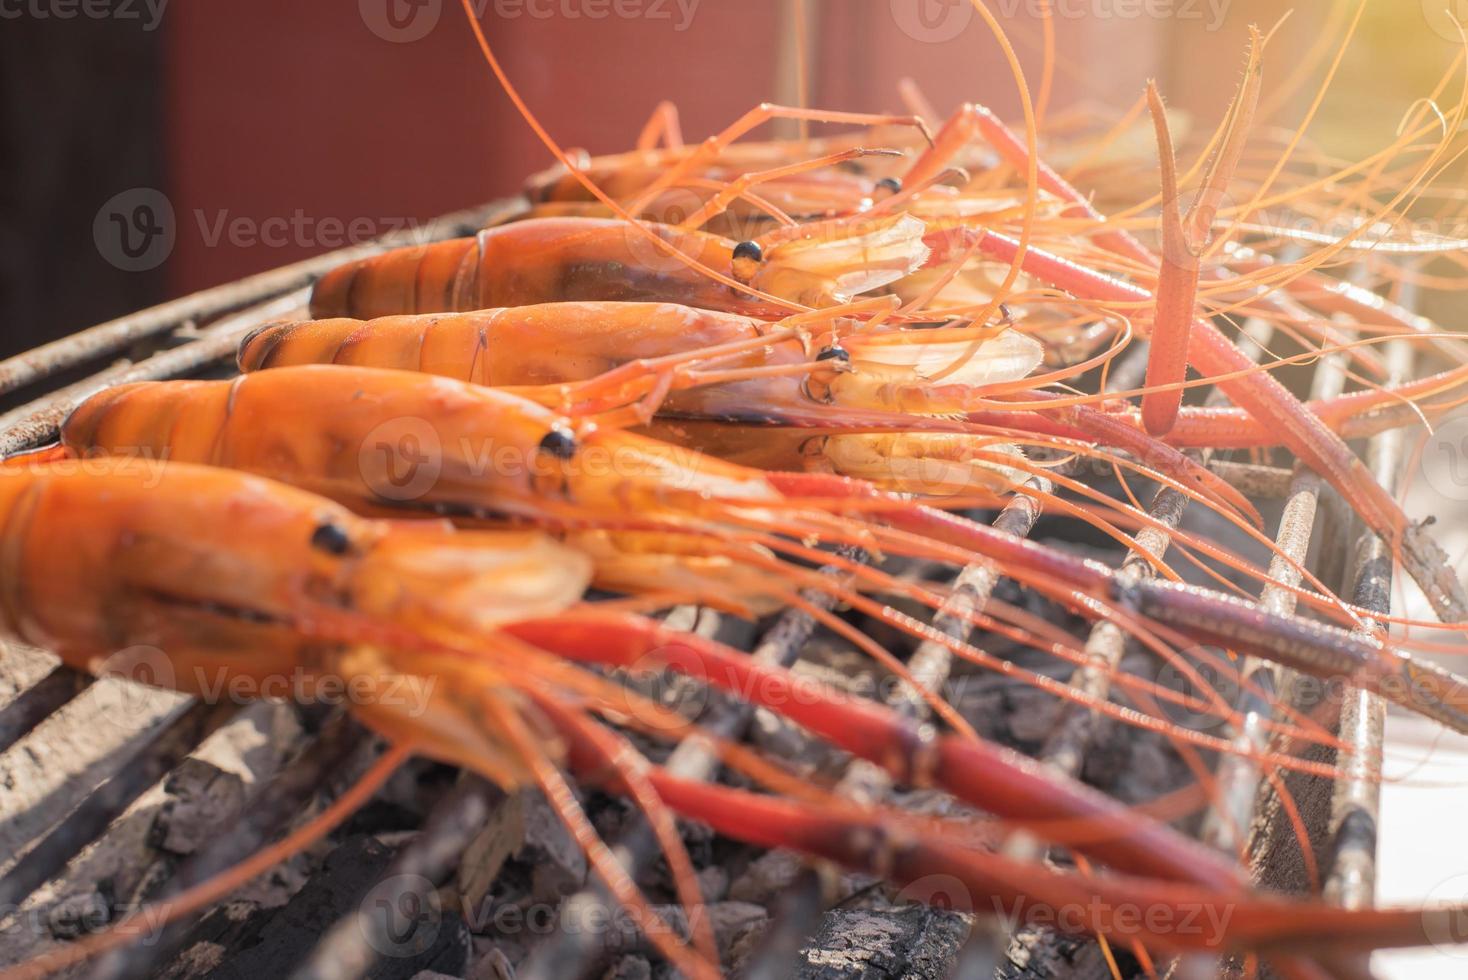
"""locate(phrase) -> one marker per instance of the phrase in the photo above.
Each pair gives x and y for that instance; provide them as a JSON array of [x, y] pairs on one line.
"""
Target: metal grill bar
[[932, 662], [352, 945], [1075, 728], [795, 916], [1356, 800], [1239, 776], [49, 855], [33, 705], [346, 950], [930, 665], [37, 422], [573, 952], [116, 335], [271, 812], [1255, 480]]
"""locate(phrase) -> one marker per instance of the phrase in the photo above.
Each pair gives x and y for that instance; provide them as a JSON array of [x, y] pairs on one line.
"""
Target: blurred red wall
[[276, 106], [302, 112]]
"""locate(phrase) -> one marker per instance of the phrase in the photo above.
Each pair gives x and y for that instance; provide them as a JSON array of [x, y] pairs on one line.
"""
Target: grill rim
[[230, 311]]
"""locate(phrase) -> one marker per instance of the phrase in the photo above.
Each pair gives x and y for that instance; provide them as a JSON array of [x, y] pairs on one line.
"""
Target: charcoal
[[435, 939], [548, 863], [203, 799], [912, 942]]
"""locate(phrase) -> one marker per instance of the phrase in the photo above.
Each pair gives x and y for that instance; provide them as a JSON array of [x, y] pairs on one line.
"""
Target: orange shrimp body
[[202, 571], [561, 343], [392, 442], [537, 261], [405, 441], [883, 412], [413, 442], [227, 575], [545, 344], [545, 260], [215, 576]]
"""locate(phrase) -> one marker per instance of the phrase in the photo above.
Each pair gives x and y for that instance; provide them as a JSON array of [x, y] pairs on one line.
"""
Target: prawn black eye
[[559, 443], [817, 384], [750, 251], [746, 260], [890, 184], [331, 538]]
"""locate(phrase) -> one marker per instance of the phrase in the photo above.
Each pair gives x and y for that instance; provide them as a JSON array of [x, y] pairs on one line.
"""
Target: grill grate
[[199, 333]]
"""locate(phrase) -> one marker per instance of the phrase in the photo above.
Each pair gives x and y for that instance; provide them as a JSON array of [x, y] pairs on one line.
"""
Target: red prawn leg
[[1014, 887], [1084, 424], [1184, 240], [1086, 576], [1356, 415], [710, 148], [1208, 349], [1255, 391], [996, 779], [866, 843], [1197, 428], [663, 124], [871, 842], [1308, 646], [1177, 293], [1202, 615], [1121, 434], [1329, 295], [972, 120], [1230, 428]]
